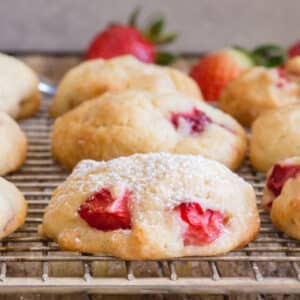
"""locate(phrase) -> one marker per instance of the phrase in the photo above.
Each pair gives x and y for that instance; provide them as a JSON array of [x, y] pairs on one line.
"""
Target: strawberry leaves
[[167, 38], [267, 55], [155, 33], [132, 21], [155, 29]]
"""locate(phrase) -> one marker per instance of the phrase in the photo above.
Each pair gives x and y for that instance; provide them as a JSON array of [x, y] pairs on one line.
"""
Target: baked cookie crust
[[95, 77], [275, 136], [13, 143], [281, 196], [157, 184], [258, 90], [13, 208], [136, 121], [19, 94]]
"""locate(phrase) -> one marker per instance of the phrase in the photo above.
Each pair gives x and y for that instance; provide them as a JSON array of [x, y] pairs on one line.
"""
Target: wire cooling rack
[[29, 263]]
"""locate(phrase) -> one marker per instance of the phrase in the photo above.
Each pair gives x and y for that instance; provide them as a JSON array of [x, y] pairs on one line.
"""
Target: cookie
[[152, 206], [12, 208], [293, 68], [282, 196], [19, 94], [257, 90], [13, 144], [136, 121], [95, 77], [275, 136]]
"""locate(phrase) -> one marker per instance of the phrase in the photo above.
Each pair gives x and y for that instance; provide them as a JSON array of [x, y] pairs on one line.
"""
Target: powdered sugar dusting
[[166, 178]]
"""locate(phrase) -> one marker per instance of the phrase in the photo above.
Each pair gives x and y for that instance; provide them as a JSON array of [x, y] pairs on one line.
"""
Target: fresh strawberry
[[294, 50], [214, 71], [203, 226], [103, 212], [190, 122], [280, 174], [122, 39]]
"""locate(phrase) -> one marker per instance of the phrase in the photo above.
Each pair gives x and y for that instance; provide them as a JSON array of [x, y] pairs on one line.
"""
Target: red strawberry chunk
[[203, 226], [103, 212], [192, 122], [283, 78], [280, 174]]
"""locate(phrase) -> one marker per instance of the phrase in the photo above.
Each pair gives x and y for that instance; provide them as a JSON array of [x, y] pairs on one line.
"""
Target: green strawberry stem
[[268, 55]]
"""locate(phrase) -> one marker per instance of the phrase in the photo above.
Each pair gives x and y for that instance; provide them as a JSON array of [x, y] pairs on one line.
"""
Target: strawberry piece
[[103, 212], [294, 50], [283, 77], [214, 71], [203, 227], [119, 40], [280, 174], [190, 122]]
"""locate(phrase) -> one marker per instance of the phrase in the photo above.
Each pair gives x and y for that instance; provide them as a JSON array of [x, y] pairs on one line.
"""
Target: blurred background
[[68, 25]]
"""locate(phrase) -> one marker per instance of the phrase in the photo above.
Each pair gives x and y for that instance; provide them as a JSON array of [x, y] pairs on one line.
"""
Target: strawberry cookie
[[152, 206], [13, 144], [95, 77], [136, 121], [258, 90], [275, 136], [12, 208], [282, 196], [293, 69], [19, 94]]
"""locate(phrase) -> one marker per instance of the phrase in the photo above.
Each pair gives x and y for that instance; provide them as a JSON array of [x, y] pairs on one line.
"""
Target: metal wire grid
[[29, 263]]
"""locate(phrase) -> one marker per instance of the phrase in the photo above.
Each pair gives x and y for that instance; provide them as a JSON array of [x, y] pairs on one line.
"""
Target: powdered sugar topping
[[167, 179]]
